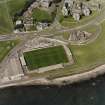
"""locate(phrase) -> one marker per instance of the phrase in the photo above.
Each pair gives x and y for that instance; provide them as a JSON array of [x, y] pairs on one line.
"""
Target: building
[[69, 3], [76, 16], [75, 9], [18, 22], [28, 22], [40, 26], [45, 3], [23, 63], [86, 11], [19, 26], [64, 11]]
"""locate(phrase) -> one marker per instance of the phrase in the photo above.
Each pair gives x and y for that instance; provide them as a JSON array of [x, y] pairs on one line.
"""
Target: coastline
[[100, 70], [58, 81]]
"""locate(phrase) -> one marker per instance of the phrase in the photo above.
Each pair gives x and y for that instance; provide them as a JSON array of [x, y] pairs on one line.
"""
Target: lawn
[[16, 6], [41, 15], [6, 25], [45, 57], [5, 47], [7, 10], [91, 54]]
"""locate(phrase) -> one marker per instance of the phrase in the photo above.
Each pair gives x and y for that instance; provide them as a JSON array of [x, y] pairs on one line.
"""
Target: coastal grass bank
[[6, 46]]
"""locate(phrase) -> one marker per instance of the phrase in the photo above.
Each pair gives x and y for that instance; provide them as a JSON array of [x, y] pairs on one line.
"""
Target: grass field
[[7, 10], [5, 47], [45, 57], [6, 25], [91, 54], [41, 15], [15, 6]]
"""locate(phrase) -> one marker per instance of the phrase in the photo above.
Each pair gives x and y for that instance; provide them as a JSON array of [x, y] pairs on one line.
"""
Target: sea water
[[90, 92]]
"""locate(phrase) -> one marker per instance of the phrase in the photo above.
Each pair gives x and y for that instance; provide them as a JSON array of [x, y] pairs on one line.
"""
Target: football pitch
[[45, 57]]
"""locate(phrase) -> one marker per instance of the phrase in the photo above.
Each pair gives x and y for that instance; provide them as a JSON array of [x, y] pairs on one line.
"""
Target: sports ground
[[45, 57]]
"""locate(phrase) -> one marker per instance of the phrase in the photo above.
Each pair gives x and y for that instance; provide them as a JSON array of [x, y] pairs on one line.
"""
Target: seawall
[[58, 81]]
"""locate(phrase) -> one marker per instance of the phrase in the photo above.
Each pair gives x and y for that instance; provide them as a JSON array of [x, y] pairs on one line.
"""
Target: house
[[86, 11], [18, 22], [69, 3], [28, 22], [76, 16], [78, 5], [45, 3], [40, 26], [75, 9], [64, 11], [19, 26]]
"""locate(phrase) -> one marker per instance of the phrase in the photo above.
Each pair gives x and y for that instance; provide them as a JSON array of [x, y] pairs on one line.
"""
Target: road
[[96, 21]]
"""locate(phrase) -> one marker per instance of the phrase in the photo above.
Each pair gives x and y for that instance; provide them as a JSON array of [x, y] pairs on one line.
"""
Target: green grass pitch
[[45, 57]]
